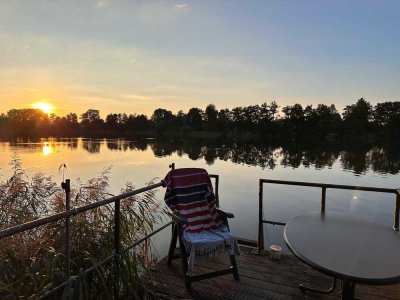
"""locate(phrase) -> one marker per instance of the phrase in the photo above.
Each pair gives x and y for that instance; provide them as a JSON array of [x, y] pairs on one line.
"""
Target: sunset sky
[[136, 56]]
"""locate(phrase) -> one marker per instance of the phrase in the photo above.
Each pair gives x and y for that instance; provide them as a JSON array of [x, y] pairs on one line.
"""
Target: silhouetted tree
[[137, 123], [268, 111], [237, 117], [251, 116], [357, 117], [27, 122], [91, 121], [72, 118], [71, 124], [223, 119], [194, 119], [386, 118], [3, 124], [294, 120], [162, 119], [211, 115], [111, 122], [240, 124], [322, 120], [180, 119]]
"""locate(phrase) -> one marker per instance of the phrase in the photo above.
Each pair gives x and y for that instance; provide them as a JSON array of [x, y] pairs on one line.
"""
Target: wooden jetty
[[260, 278]]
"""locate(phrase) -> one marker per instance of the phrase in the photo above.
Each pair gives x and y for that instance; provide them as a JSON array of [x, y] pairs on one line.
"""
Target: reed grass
[[32, 263]]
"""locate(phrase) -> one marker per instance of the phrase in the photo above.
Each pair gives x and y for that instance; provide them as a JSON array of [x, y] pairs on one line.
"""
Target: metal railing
[[68, 213], [323, 187], [65, 215]]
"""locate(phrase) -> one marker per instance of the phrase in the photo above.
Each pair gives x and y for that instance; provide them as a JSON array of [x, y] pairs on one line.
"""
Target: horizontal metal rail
[[324, 187], [105, 261], [273, 222], [72, 212], [65, 215], [332, 186]]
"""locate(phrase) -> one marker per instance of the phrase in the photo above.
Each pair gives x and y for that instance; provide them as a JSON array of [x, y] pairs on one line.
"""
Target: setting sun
[[44, 106]]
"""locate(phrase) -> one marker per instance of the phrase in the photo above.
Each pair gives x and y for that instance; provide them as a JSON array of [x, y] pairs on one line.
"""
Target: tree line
[[253, 122]]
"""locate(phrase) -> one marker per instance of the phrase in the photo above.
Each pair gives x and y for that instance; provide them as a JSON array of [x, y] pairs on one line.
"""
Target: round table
[[347, 247]]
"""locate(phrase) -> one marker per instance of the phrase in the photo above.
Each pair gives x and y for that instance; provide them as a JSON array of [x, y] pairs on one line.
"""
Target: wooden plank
[[247, 242], [276, 272], [291, 268], [245, 286], [260, 278]]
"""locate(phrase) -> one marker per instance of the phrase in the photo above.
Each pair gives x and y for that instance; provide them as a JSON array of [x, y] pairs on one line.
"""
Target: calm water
[[239, 168]]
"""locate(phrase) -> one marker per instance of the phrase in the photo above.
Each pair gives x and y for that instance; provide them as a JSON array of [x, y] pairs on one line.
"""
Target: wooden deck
[[260, 278]]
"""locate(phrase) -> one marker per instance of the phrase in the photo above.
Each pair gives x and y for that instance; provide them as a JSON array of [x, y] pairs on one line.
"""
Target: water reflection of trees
[[357, 158], [361, 158], [91, 146], [262, 156], [319, 157], [36, 145], [384, 160]]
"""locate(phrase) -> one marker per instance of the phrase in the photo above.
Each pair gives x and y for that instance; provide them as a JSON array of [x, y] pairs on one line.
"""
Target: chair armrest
[[226, 214], [178, 218]]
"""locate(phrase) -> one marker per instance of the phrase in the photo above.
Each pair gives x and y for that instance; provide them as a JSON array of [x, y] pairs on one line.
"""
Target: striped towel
[[189, 193]]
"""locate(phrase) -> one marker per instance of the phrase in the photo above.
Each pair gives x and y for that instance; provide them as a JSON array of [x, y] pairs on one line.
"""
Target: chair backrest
[[190, 193]]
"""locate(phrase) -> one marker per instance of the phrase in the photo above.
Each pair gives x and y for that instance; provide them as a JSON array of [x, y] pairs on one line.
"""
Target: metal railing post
[[324, 187], [217, 190], [66, 186], [70, 212], [260, 219], [172, 167], [323, 198], [396, 211], [117, 246]]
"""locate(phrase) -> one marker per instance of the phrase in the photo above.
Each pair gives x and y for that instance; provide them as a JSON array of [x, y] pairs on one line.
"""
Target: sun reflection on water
[[46, 149]]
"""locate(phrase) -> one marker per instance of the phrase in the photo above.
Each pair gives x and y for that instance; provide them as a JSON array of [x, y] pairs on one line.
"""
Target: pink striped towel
[[189, 193]]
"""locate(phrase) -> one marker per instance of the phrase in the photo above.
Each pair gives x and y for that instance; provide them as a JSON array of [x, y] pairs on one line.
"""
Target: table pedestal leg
[[347, 290], [308, 289]]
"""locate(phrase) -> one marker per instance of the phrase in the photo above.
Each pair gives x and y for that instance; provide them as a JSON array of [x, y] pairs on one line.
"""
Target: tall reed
[[32, 263]]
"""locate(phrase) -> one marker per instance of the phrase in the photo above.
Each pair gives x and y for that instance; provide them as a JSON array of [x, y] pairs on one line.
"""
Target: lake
[[240, 167]]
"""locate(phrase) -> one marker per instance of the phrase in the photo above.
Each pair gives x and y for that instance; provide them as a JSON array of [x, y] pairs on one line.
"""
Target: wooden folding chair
[[190, 197]]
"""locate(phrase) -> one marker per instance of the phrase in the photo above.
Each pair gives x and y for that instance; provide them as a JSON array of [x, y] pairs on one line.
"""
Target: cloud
[[182, 7], [138, 98], [218, 62], [101, 3], [95, 100]]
